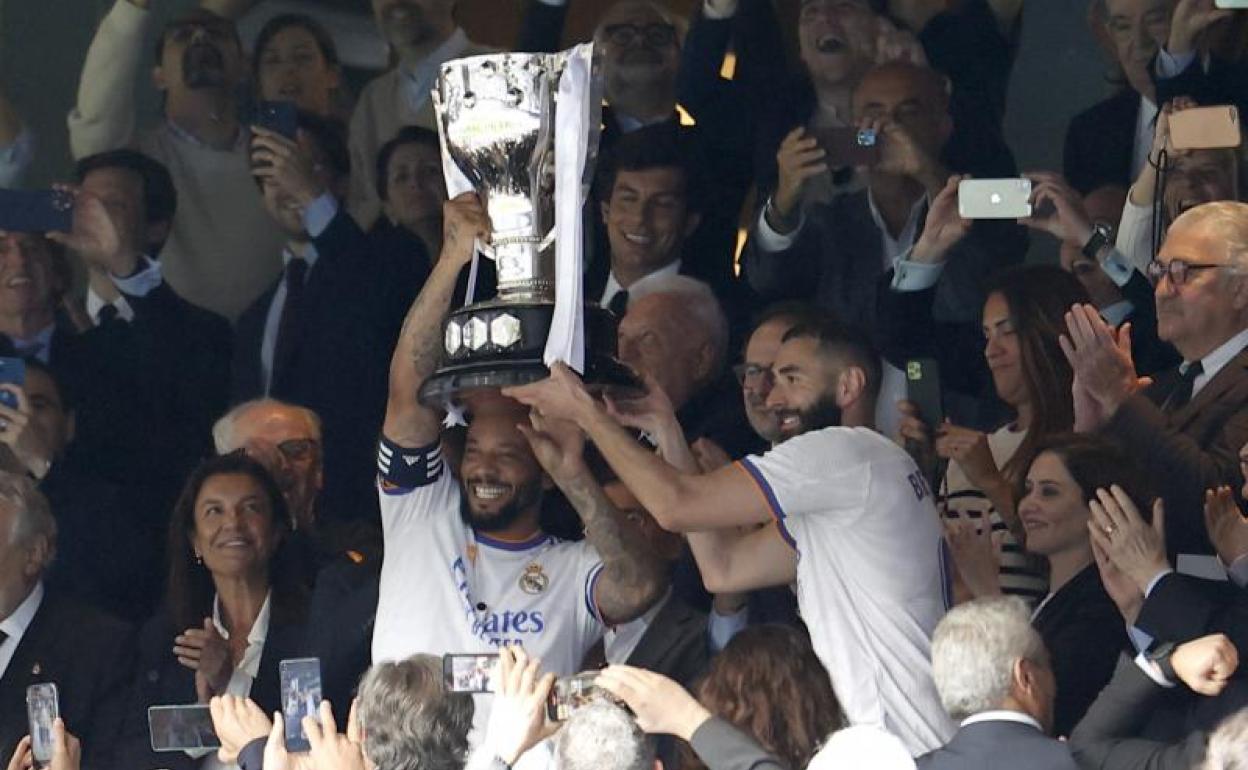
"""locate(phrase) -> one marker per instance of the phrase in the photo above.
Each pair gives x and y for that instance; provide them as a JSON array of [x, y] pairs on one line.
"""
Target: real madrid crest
[[534, 579]]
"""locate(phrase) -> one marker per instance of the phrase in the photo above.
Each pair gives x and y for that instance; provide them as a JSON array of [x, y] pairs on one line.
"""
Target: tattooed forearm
[[633, 576]]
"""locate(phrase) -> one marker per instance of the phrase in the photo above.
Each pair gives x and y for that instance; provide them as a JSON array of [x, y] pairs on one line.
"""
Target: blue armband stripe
[[409, 468]]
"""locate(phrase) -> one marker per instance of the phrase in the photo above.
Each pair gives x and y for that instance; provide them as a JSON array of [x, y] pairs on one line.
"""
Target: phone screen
[[301, 697], [42, 709], [570, 693], [280, 117], [12, 372], [181, 728], [467, 672]]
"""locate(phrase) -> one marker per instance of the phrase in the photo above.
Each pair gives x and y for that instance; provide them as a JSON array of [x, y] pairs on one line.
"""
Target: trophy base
[[493, 345]]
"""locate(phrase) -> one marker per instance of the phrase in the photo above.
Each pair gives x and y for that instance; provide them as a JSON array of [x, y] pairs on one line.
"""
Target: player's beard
[[524, 497], [824, 413]]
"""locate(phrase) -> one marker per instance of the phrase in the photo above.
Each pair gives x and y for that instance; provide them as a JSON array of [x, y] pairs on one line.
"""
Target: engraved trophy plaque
[[497, 116]]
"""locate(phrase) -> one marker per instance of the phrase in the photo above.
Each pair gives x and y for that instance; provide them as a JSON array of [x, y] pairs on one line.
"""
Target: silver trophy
[[496, 117]]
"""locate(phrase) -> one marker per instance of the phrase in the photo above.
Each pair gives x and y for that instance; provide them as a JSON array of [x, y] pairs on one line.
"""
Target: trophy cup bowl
[[496, 117]]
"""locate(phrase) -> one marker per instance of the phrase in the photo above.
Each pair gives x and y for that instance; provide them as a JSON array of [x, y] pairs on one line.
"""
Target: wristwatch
[[1161, 656], [1102, 236]]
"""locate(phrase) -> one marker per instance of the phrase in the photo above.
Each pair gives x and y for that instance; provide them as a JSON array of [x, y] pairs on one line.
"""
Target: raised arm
[[15, 143], [679, 502], [409, 423], [633, 576], [104, 116]]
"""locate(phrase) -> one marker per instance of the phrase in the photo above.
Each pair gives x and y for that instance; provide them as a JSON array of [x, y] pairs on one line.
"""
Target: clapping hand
[[976, 552], [518, 716], [1104, 370], [1134, 546], [1227, 527], [970, 449], [1127, 596], [205, 652]]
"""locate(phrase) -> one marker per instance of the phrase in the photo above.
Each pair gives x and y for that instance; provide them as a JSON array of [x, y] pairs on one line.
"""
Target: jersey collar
[[538, 538]]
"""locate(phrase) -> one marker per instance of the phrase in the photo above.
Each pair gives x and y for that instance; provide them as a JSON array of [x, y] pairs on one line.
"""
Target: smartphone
[[469, 672], [849, 146], [279, 117], [1205, 128], [181, 728], [1234, 4], [923, 390], [994, 198], [36, 211], [570, 693], [301, 697], [12, 372], [42, 709]]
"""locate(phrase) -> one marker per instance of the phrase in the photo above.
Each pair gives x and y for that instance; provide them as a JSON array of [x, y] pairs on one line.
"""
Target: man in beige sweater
[[224, 250], [422, 36]]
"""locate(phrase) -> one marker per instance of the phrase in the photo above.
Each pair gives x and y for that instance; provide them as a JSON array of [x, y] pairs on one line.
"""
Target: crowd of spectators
[[890, 493]]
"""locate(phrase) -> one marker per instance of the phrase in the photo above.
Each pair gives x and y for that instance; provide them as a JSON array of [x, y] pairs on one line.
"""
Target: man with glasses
[[1186, 426], [222, 250]]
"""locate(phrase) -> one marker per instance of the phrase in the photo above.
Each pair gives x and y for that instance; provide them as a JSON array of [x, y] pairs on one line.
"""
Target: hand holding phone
[[301, 697], [281, 117], [42, 709], [994, 198]]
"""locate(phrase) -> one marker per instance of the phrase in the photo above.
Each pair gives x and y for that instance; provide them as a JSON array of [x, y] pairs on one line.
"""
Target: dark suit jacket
[[1100, 141], [721, 746], [1189, 450], [340, 625], [987, 745], [675, 644], [1221, 83], [89, 656], [1110, 736], [162, 680], [354, 306], [1084, 634]]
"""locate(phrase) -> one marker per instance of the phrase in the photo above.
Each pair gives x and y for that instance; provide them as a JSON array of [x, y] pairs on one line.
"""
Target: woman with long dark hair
[[1023, 318], [296, 61], [233, 608]]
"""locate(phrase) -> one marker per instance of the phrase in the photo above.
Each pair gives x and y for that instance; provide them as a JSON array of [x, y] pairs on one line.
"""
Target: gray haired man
[[993, 674]]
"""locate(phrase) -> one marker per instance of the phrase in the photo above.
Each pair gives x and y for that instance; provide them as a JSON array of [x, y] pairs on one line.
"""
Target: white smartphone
[[994, 198], [1234, 4], [42, 709]]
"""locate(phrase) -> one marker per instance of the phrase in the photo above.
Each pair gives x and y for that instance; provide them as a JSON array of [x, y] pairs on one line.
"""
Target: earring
[[198, 559]]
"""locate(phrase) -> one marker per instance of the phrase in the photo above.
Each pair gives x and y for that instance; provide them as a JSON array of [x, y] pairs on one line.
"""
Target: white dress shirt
[[613, 286], [1003, 715], [15, 625], [140, 284], [246, 670]]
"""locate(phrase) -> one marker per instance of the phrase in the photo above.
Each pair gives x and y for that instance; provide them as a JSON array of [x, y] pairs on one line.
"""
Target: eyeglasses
[[654, 35], [298, 449], [1176, 270], [753, 376]]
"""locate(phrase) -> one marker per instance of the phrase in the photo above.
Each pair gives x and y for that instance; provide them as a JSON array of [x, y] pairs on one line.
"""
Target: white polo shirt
[[871, 572]]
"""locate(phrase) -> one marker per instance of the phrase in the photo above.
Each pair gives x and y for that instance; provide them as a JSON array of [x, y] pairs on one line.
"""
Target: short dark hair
[[665, 145], [283, 21], [190, 587], [407, 135], [160, 196], [844, 344], [192, 16], [794, 312]]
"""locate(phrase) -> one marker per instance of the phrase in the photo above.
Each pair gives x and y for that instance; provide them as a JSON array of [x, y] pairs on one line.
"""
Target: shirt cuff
[[1151, 671], [1141, 640], [721, 628], [1156, 579], [251, 757], [141, 283], [771, 241], [1238, 571], [319, 213], [1117, 267], [914, 276], [16, 158], [727, 11], [1169, 65]]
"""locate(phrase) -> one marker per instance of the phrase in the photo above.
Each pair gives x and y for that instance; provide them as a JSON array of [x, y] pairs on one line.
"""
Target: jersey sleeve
[[413, 485], [815, 473]]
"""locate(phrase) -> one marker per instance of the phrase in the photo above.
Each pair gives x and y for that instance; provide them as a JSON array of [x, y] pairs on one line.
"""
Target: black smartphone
[[36, 211], [279, 117], [469, 672], [301, 697], [42, 709], [181, 728], [12, 372], [849, 146], [923, 390]]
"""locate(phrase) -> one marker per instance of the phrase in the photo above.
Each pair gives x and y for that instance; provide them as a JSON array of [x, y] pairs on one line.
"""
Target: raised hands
[[205, 652], [1134, 546], [1227, 527], [95, 237], [1190, 19], [1064, 216], [559, 445], [281, 161], [943, 228], [1100, 356], [561, 396], [237, 722], [799, 158], [518, 716], [465, 223]]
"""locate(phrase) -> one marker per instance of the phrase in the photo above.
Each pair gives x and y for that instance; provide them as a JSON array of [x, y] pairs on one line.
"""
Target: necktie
[[107, 315], [1182, 392], [619, 303], [288, 325]]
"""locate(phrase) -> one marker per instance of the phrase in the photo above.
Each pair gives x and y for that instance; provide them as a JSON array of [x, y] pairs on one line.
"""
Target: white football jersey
[[871, 579]]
